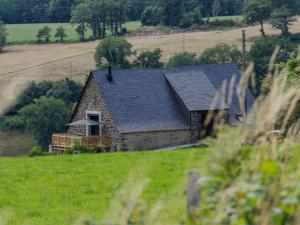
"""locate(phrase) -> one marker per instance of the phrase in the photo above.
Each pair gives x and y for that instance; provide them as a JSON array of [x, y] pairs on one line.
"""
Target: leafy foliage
[[80, 16], [282, 18], [149, 59], [47, 99], [182, 59], [44, 34], [60, 33], [221, 53], [3, 35], [79, 148], [257, 12], [44, 117], [36, 151], [113, 50], [262, 51]]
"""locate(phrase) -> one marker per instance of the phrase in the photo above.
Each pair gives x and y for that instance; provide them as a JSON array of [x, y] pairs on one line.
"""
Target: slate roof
[[196, 90], [143, 100]]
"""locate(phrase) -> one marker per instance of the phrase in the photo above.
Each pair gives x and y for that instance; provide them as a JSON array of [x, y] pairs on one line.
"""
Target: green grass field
[[59, 189], [22, 33]]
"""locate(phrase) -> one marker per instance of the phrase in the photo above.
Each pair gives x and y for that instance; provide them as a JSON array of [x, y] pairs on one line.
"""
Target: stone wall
[[156, 140], [92, 100]]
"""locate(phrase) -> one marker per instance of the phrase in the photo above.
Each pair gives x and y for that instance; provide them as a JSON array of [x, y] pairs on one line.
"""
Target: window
[[240, 118], [93, 130]]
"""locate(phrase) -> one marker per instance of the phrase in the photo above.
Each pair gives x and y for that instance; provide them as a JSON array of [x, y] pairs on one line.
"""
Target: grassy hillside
[[58, 190], [21, 33]]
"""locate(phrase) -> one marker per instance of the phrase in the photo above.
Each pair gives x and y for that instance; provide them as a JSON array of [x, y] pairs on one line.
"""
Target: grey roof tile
[[142, 100]]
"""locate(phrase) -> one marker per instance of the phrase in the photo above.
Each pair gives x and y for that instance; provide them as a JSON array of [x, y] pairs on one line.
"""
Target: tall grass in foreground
[[246, 184], [257, 184]]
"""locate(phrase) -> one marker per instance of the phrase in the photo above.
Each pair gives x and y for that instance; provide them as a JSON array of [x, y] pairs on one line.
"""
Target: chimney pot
[[109, 75]]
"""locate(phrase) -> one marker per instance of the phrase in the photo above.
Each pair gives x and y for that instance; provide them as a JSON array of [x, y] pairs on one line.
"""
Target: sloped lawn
[[60, 189]]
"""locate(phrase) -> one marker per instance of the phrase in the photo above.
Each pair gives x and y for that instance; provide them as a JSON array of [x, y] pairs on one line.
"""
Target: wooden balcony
[[62, 142]]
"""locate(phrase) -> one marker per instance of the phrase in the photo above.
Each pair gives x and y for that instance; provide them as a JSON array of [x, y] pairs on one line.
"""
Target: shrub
[[262, 51], [3, 35], [44, 34], [77, 147], [60, 33], [149, 59], [12, 123], [221, 53], [36, 151], [182, 59], [222, 23]]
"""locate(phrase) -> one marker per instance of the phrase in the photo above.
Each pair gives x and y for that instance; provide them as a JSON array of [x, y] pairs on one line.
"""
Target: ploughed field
[[60, 189]]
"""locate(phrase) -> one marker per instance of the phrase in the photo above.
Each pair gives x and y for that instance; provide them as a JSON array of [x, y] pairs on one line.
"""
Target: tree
[[282, 18], [191, 18], [60, 10], [44, 33], [182, 59], [31, 92], [3, 35], [80, 16], [44, 117], [257, 12], [67, 90], [221, 53], [113, 50], [172, 11], [262, 51], [149, 59], [60, 33], [151, 16]]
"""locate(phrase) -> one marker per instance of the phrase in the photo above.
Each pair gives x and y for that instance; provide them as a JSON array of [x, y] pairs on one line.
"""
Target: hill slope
[[60, 189]]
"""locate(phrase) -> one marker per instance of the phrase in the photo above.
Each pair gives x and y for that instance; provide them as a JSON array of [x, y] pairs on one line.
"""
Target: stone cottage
[[157, 108]]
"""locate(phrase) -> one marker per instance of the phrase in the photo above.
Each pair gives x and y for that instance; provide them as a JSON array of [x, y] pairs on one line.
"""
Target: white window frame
[[88, 128]]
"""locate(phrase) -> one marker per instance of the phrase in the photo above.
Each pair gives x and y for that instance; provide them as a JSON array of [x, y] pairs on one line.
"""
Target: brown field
[[15, 143], [21, 64]]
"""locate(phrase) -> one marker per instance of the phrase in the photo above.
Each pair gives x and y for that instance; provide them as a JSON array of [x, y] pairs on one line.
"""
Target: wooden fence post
[[193, 194]]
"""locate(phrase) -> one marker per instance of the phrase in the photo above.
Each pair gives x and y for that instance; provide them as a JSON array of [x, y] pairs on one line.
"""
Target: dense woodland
[[36, 11]]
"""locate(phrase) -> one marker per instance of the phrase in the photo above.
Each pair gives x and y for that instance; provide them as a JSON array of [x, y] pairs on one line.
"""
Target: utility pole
[[183, 42], [244, 48], [244, 68]]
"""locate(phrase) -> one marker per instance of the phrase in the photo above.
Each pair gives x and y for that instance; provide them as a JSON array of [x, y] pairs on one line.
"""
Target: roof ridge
[[167, 68]]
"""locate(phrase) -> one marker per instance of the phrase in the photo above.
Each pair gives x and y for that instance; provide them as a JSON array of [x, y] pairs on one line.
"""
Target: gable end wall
[[92, 100]]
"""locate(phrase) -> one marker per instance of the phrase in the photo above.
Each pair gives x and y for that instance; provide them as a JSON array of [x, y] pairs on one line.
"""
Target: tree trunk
[[262, 29]]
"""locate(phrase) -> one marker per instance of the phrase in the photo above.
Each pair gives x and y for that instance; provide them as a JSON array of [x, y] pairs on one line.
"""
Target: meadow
[[60, 189], [25, 33]]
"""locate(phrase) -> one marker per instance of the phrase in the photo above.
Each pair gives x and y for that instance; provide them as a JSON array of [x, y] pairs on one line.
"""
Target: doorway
[[94, 130], [206, 128]]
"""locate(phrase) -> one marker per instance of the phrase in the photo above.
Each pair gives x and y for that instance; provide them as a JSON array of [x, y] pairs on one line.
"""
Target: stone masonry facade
[[92, 100]]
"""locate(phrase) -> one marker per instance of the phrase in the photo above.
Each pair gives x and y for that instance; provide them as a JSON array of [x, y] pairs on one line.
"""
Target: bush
[[221, 53], [44, 34], [36, 151], [8, 123], [262, 51], [77, 147], [182, 59], [222, 23], [149, 59], [3, 35]]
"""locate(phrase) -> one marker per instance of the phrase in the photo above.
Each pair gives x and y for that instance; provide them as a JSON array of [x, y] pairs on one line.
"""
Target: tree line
[[33, 11]]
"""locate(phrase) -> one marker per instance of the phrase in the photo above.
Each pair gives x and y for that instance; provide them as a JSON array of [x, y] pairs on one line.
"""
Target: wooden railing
[[62, 142]]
